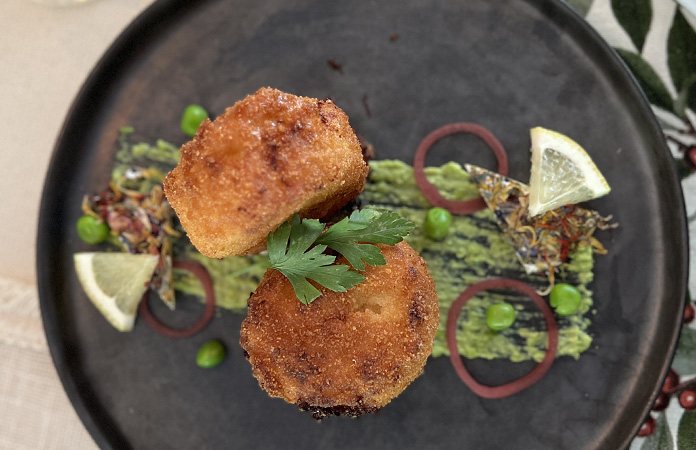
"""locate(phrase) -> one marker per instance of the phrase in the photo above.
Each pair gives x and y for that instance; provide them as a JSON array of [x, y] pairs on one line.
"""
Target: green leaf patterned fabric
[[649, 81], [581, 6], [681, 47], [656, 39], [685, 358], [635, 17], [661, 439], [686, 436]]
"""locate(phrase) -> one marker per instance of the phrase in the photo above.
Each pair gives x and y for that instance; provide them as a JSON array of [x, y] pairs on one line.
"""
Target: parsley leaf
[[296, 249], [367, 226], [289, 252]]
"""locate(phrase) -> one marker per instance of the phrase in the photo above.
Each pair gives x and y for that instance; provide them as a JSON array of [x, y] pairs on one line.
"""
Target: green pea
[[565, 298], [192, 118], [210, 354], [500, 316], [437, 223], [92, 230]]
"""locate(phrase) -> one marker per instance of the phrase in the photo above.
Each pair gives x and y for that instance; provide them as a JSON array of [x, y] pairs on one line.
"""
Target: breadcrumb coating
[[345, 353], [267, 157]]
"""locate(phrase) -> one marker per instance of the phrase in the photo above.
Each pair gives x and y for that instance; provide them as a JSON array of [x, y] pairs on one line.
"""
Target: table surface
[[47, 52]]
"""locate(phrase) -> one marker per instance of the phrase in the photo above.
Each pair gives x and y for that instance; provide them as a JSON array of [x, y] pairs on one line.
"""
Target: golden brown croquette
[[345, 353], [267, 157]]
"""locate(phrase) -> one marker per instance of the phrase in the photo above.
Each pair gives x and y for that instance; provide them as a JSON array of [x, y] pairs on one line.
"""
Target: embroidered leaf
[[686, 96], [581, 6], [648, 79], [661, 439], [686, 434], [685, 357], [635, 17], [681, 57]]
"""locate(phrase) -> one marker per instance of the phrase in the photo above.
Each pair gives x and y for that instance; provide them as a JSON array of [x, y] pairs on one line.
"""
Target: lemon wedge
[[115, 283], [562, 173]]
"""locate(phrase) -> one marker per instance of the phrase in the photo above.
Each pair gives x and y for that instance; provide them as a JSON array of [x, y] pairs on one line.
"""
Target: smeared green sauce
[[474, 250], [231, 290]]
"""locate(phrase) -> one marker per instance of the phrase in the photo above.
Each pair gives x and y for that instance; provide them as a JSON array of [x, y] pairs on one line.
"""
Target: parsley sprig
[[296, 249]]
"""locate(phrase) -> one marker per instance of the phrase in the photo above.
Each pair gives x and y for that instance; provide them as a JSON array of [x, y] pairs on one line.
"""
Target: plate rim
[[143, 24], [147, 23]]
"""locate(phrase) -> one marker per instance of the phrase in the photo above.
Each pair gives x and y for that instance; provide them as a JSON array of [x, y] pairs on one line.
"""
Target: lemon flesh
[[562, 173], [115, 283]]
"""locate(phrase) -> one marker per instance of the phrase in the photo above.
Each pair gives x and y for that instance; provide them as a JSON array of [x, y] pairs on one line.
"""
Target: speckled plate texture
[[406, 68]]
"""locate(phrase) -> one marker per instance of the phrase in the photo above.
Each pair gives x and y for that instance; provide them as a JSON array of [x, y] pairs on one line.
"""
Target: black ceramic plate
[[509, 65]]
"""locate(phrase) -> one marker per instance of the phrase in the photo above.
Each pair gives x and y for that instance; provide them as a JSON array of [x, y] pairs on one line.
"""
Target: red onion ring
[[522, 383], [154, 323], [430, 191]]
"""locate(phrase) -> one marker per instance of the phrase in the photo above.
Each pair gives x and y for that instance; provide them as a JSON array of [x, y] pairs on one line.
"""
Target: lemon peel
[[562, 173], [115, 283]]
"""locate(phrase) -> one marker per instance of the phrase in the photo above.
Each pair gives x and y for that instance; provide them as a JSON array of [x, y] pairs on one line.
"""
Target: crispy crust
[[346, 353], [267, 157]]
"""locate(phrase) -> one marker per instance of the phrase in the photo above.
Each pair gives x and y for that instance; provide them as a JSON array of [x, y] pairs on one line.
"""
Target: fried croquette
[[267, 157], [345, 353]]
